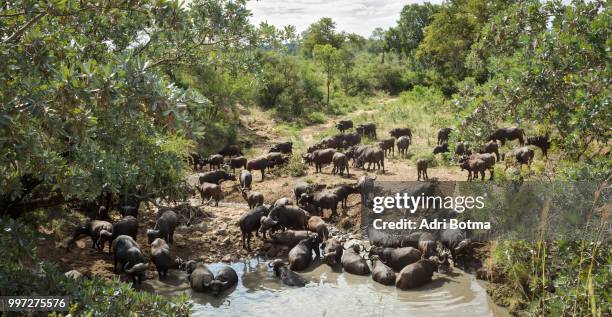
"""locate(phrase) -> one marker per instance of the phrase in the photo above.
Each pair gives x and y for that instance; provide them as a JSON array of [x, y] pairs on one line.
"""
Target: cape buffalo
[[503, 134]]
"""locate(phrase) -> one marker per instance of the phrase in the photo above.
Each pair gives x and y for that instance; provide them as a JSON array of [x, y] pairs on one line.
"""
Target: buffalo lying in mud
[[286, 275]]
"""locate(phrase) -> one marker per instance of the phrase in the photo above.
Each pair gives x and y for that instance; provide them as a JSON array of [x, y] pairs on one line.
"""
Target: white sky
[[355, 16]]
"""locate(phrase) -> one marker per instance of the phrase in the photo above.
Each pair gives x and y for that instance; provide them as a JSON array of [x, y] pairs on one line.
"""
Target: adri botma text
[[409, 224]]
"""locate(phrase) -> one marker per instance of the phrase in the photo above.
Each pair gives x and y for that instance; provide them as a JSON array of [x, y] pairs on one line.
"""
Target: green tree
[[89, 102], [393, 41], [448, 38], [321, 32], [554, 75], [377, 43], [355, 41], [327, 57], [413, 19], [286, 84], [268, 38], [346, 61]]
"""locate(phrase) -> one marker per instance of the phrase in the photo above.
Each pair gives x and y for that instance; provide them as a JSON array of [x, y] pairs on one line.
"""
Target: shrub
[[502, 174], [429, 157], [553, 278], [597, 169], [295, 167], [388, 77], [317, 117]]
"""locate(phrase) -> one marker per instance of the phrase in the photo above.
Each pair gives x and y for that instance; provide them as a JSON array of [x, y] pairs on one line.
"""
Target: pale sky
[[353, 16]]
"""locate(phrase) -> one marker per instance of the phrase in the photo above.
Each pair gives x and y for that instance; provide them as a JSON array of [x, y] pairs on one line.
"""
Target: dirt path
[[215, 236]]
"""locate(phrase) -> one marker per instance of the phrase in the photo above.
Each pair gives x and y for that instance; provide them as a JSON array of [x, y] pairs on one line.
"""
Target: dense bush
[[287, 84], [389, 77], [596, 168], [23, 274], [295, 167], [224, 90], [559, 278]]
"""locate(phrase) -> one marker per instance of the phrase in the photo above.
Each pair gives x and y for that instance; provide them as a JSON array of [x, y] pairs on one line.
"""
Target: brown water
[[329, 293]]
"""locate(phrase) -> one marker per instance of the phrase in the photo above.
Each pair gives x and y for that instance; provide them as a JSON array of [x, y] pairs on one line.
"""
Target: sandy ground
[[213, 233]]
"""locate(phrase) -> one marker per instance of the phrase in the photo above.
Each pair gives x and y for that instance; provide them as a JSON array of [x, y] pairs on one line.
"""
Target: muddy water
[[329, 293]]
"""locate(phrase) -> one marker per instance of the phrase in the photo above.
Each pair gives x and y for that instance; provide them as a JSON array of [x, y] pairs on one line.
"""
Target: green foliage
[[89, 95], [376, 43], [287, 84], [393, 41], [413, 20], [222, 88], [317, 117], [346, 62], [295, 167], [596, 168], [328, 57], [354, 42], [366, 76], [432, 160], [551, 75], [269, 38], [344, 105], [389, 77], [22, 273], [360, 79], [322, 32], [553, 278], [450, 35]]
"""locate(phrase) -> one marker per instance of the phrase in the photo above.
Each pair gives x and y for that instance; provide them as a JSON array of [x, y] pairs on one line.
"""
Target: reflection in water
[[329, 293]]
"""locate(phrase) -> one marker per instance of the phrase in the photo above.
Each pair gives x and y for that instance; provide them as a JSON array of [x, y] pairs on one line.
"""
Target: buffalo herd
[[298, 222], [129, 258]]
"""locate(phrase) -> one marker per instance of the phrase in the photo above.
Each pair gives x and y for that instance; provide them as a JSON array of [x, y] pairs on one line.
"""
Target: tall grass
[[420, 109], [556, 278]]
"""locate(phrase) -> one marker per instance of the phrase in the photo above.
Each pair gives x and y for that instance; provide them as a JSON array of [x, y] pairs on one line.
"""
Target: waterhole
[[331, 293]]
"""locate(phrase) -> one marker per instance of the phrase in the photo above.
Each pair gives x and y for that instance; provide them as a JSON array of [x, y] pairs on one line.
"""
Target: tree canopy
[[88, 97], [547, 64], [413, 20], [321, 32], [328, 57]]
